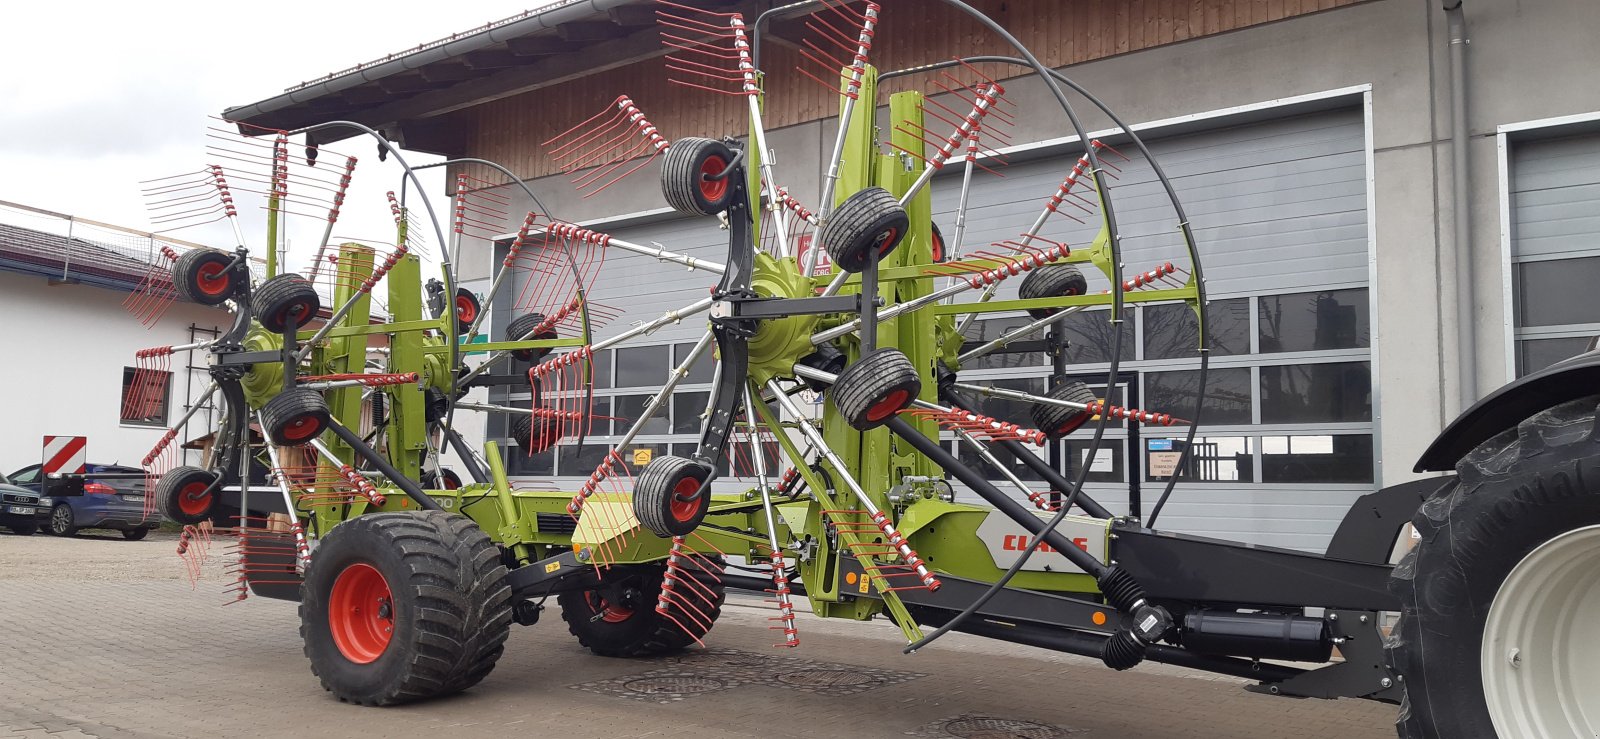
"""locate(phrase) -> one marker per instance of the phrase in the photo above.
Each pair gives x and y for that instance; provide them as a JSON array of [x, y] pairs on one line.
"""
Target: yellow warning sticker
[[552, 567], [864, 582], [641, 457]]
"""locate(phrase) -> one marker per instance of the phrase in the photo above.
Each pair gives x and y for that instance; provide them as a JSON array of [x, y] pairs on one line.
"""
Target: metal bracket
[[1364, 673]]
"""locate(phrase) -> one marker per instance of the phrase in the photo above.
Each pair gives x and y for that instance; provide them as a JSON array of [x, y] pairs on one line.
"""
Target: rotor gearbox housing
[[779, 342]]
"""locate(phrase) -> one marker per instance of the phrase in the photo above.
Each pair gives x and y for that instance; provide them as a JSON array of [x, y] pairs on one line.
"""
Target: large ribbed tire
[[864, 229], [519, 330], [285, 300], [667, 496], [1052, 281], [181, 495], [400, 607], [295, 417], [202, 276], [619, 619], [689, 176], [1056, 421], [875, 388], [1515, 496]]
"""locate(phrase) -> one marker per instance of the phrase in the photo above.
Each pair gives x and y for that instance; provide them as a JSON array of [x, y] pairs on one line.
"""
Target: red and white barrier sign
[[824, 262], [65, 454]]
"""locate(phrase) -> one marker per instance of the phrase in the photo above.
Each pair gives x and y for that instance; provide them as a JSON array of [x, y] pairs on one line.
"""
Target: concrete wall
[[63, 376], [1527, 60]]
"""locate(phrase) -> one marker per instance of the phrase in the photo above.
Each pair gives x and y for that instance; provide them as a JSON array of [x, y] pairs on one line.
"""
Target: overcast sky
[[98, 96]]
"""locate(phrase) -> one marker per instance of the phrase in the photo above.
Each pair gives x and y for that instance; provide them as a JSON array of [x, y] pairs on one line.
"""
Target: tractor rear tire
[[875, 388], [632, 627], [523, 326], [1052, 281], [1467, 670], [285, 298], [668, 498], [684, 176], [401, 607], [1056, 421], [864, 229], [295, 417], [203, 276]]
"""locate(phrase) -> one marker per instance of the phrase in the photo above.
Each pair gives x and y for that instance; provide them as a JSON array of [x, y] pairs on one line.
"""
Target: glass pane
[[600, 415], [1227, 394], [1089, 336], [1302, 322], [1010, 411], [1211, 459], [1316, 393], [971, 459], [642, 366], [1558, 292], [518, 464], [1170, 329], [1110, 459], [1536, 354], [993, 328], [629, 408], [144, 396], [1316, 458], [602, 369], [701, 371], [574, 464], [686, 410]]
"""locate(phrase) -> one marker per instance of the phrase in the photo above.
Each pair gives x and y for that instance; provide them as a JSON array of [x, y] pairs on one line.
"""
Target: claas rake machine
[[326, 486]]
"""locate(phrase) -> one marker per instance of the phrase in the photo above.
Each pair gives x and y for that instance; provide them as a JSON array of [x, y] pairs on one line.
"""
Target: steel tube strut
[[1003, 503], [780, 580], [1011, 336], [395, 477], [1033, 462], [667, 256]]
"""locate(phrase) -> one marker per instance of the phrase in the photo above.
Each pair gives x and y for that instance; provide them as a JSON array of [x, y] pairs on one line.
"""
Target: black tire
[[875, 388], [135, 534], [524, 325], [1513, 493], [1052, 281], [1056, 421], [864, 229], [284, 300], [24, 529], [684, 173], [467, 308], [631, 626], [452, 481], [295, 417], [180, 495], [937, 249], [202, 276], [667, 496], [448, 602], [63, 522]]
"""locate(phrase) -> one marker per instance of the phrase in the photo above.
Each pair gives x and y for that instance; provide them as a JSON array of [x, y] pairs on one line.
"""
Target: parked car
[[19, 508], [106, 496]]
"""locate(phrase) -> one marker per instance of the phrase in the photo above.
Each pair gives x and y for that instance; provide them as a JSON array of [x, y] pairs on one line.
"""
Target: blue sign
[[1159, 445]]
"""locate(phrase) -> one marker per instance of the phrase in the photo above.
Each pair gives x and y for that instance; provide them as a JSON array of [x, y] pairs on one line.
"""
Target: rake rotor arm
[[396, 478], [1012, 336]]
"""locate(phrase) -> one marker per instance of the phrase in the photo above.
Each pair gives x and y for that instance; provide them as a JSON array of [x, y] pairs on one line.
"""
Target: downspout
[[1466, 326]]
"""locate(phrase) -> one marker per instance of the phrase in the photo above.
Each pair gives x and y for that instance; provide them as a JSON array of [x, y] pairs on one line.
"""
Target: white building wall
[[67, 346]]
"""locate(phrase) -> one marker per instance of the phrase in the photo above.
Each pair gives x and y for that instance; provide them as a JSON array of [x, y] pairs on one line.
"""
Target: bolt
[[1386, 682], [1333, 617], [1363, 618], [583, 554], [1273, 689], [1515, 657]]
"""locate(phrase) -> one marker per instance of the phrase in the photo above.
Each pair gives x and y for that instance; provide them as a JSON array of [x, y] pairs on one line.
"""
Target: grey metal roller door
[[1555, 221], [1278, 205]]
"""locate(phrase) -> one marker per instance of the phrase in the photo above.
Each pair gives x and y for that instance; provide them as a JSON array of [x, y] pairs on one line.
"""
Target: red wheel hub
[[713, 188], [361, 613], [685, 504], [465, 310], [889, 405], [212, 278], [611, 614], [886, 240], [192, 499], [302, 428]]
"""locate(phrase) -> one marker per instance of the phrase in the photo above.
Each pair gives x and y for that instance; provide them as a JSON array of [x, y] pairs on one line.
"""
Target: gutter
[[547, 20], [1466, 325]]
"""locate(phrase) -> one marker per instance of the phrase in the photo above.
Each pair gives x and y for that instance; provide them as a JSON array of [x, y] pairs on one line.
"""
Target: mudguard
[[1566, 380]]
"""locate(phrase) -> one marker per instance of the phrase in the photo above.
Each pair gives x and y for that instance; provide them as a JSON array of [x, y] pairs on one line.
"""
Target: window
[[573, 463], [1010, 411], [1337, 392], [144, 396], [1171, 329], [601, 361], [1558, 292], [686, 410], [1089, 335], [1211, 459], [1316, 458], [518, 463], [1536, 354], [642, 366], [26, 475], [628, 409], [1315, 321], [1109, 463], [1227, 394], [701, 371], [971, 459], [993, 328]]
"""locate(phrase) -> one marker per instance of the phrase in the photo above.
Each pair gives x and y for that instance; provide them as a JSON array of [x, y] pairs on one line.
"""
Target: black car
[[106, 496], [20, 510]]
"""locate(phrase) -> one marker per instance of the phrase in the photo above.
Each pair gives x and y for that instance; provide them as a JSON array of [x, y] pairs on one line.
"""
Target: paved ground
[[106, 638]]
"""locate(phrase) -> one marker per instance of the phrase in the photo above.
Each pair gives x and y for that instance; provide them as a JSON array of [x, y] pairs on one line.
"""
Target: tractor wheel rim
[[886, 240], [61, 519], [212, 278], [361, 613], [889, 405], [713, 190], [684, 503], [611, 614], [1539, 662], [302, 428], [192, 499]]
